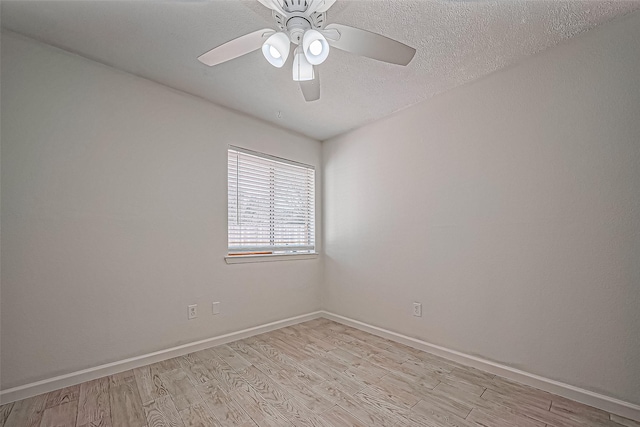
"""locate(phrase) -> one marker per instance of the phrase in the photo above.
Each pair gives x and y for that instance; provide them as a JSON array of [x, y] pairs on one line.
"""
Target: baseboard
[[600, 401], [73, 378]]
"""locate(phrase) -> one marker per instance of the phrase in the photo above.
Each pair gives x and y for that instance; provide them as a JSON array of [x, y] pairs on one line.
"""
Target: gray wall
[[114, 205], [510, 208], [0, 224]]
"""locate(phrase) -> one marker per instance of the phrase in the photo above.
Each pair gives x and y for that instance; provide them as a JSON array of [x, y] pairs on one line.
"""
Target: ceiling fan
[[303, 23]]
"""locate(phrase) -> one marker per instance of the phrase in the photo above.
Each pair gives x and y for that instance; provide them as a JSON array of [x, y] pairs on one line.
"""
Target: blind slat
[[271, 204]]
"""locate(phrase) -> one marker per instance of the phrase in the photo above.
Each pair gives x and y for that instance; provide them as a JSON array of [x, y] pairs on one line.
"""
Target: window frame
[[239, 258]]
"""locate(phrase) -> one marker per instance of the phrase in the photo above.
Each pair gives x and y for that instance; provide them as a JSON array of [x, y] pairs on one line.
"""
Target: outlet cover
[[417, 309], [215, 308], [193, 311]]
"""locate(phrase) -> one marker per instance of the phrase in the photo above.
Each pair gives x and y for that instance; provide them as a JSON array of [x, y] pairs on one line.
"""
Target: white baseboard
[[606, 403], [600, 401], [55, 383]]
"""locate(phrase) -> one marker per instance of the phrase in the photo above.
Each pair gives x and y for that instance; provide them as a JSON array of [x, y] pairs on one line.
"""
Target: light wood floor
[[318, 373]]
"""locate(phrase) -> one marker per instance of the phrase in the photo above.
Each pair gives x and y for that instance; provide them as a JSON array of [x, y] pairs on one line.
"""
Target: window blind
[[271, 204]]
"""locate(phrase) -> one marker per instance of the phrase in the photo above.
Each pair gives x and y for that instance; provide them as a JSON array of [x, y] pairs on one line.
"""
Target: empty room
[[320, 213]]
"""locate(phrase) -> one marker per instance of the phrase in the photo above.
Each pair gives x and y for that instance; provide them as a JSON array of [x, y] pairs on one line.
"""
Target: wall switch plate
[[417, 309], [193, 311], [215, 308]]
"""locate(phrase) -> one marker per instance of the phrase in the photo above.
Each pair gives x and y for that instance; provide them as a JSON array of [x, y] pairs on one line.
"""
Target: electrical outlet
[[417, 309], [215, 308], [193, 311]]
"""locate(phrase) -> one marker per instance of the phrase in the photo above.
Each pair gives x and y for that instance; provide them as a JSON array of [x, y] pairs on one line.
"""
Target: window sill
[[242, 259]]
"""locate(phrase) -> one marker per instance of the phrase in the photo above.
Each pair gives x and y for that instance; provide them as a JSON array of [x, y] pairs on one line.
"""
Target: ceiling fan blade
[[311, 88], [236, 47], [372, 45]]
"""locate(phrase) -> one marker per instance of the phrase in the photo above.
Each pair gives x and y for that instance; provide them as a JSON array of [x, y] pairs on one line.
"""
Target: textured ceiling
[[457, 41]]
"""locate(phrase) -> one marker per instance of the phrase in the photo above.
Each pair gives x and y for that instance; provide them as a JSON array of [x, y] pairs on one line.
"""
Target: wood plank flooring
[[315, 374]]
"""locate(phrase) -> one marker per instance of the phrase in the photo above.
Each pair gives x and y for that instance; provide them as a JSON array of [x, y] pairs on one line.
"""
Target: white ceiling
[[457, 41]]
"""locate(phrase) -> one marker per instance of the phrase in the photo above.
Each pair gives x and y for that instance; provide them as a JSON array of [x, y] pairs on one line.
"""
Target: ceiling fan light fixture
[[302, 69], [276, 49], [274, 52], [315, 47]]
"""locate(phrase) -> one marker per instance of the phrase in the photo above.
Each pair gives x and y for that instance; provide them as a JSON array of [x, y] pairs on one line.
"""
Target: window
[[271, 205]]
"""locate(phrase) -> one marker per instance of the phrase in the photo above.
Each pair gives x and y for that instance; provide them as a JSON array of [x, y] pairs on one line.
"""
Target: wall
[[114, 217], [0, 218], [510, 208]]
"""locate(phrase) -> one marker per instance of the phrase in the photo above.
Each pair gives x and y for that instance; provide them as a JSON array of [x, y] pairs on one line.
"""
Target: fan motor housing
[[296, 26], [296, 23]]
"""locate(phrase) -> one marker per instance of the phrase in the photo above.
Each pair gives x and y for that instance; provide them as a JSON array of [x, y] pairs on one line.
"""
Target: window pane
[[271, 204]]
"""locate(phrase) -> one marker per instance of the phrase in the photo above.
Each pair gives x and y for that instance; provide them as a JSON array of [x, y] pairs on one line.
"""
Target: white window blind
[[271, 204]]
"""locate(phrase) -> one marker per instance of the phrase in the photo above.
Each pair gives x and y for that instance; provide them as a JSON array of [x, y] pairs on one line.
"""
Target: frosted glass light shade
[[276, 49], [302, 69], [315, 47]]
